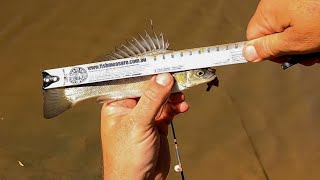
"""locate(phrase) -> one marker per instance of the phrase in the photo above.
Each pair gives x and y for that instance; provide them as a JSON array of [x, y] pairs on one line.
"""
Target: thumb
[[269, 46], [153, 98]]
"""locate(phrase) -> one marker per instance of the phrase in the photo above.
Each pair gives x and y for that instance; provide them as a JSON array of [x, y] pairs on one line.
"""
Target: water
[[279, 109]]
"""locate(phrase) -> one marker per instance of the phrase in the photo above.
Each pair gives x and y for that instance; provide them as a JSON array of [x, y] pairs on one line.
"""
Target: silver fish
[[58, 100]]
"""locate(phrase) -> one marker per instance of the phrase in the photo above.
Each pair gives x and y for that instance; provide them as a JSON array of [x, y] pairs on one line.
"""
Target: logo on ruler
[[77, 75]]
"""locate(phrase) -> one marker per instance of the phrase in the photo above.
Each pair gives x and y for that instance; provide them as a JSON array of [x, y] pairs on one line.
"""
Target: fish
[[58, 100]]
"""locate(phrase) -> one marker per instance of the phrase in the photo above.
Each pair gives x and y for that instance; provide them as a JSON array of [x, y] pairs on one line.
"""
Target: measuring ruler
[[144, 65], [174, 61]]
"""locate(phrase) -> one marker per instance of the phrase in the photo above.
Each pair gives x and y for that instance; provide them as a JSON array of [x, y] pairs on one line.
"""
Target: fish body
[[58, 100]]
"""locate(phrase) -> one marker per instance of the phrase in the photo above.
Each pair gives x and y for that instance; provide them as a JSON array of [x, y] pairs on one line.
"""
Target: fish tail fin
[[55, 103]]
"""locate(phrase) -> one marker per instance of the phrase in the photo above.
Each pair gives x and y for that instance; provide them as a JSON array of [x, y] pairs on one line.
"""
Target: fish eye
[[200, 72]]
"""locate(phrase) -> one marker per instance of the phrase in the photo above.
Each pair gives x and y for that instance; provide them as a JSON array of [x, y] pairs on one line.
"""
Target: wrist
[[121, 174]]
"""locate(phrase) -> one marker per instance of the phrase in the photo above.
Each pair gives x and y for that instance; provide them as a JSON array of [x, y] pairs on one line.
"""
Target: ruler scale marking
[[145, 65]]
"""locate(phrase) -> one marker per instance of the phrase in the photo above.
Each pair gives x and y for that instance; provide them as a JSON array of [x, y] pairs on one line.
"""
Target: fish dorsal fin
[[137, 46], [157, 42], [150, 40], [145, 43]]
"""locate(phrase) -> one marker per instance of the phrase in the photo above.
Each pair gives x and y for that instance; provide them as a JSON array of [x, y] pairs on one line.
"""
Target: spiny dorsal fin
[[133, 47], [129, 51], [156, 40], [162, 41], [151, 41], [123, 53], [137, 46], [145, 43], [118, 56]]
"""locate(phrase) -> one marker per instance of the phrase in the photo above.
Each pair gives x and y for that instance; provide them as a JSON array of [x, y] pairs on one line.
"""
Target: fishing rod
[[178, 167]]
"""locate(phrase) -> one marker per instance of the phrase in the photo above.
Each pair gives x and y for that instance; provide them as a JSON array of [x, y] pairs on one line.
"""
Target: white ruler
[[145, 65]]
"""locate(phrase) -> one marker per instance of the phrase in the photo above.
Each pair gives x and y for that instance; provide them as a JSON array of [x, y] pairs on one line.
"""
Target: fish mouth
[[210, 69], [215, 81], [212, 72]]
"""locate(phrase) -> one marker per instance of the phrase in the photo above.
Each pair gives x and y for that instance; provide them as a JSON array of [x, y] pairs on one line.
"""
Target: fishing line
[[178, 167]]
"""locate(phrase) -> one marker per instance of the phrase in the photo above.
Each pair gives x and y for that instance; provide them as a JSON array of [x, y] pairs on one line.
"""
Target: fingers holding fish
[[180, 107], [112, 112], [170, 110], [167, 113], [175, 105], [153, 98], [126, 103], [176, 97]]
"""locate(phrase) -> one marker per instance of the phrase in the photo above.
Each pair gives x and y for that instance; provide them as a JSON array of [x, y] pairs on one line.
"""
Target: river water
[[279, 109]]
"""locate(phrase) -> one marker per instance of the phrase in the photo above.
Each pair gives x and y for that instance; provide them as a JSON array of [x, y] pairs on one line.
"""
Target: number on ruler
[[199, 52], [181, 54], [190, 53], [236, 46], [218, 48], [172, 55], [208, 50], [227, 47], [163, 57]]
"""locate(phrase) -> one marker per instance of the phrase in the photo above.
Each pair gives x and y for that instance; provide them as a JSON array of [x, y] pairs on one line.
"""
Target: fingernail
[[163, 79], [250, 53]]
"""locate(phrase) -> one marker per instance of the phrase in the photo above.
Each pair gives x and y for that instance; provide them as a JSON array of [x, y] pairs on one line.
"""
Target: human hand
[[134, 132], [284, 27]]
